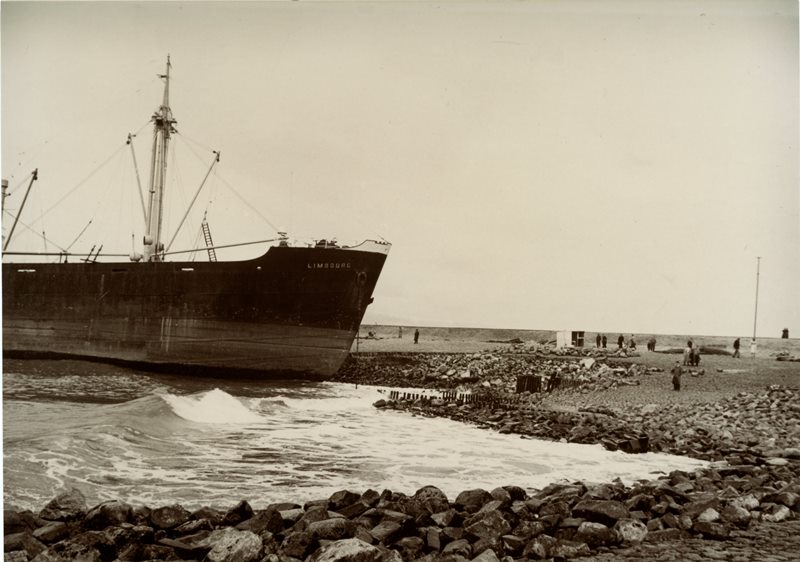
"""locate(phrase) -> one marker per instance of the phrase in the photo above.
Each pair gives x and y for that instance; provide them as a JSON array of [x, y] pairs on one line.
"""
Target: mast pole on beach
[[755, 314]]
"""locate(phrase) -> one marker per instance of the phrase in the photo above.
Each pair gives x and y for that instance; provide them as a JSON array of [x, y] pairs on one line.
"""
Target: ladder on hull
[[212, 255]]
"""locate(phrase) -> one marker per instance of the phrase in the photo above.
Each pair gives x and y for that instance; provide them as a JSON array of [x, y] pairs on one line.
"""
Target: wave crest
[[214, 407]]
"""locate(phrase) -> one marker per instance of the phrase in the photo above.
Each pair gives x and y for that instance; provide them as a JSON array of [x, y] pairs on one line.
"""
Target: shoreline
[[753, 486]]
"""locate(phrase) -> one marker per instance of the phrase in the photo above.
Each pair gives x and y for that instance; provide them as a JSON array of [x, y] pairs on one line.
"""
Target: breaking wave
[[213, 407]]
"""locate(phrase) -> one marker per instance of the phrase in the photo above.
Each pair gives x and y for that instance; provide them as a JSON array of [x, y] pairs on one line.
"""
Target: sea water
[[158, 440]]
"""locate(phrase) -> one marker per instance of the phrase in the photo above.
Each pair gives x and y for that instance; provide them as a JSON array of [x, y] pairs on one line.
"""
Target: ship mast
[[163, 127]]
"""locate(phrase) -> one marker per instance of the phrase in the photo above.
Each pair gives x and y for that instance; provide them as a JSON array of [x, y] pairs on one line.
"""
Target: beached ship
[[293, 311]]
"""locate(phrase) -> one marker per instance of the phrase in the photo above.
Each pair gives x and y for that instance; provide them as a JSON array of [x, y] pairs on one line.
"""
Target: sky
[[612, 166]]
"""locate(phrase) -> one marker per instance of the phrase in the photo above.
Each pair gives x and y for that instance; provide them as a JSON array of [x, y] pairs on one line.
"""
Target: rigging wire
[[100, 255], [245, 201], [30, 228], [236, 193], [92, 173], [88, 224]]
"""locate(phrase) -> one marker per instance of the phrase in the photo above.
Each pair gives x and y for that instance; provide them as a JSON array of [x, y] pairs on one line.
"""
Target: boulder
[[298, 544], [596, 534], [386, 532], [709, 515], [108, 513], [333, 529], [695, 508], [53, 532], [540, 548], [410, 548], [460, 547], [214, 516], [238, 513], [432, 498], [23, 542], [266, 520], [777, 513], [735, 515], [20, 521], [630, 531], [490, 527], [231, 545], [486, 556], [472, 500], [712, 530], [342, 499], [347, 550], [65, 507], [169, 517], [607, 512]]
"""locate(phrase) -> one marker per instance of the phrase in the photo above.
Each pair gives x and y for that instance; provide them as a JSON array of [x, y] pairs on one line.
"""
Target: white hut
[[569, 338]]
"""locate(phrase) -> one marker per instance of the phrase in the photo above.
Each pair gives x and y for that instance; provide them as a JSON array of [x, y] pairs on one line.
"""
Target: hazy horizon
[[602, 165]]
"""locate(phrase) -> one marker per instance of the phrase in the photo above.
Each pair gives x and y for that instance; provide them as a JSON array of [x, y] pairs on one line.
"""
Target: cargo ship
[[293, 312]]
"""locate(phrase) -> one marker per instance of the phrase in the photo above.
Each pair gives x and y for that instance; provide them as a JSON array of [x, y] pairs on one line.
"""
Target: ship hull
[[293, 312]]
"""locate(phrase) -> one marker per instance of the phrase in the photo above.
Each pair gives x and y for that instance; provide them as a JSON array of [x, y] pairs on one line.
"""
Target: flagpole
[[755, 314]]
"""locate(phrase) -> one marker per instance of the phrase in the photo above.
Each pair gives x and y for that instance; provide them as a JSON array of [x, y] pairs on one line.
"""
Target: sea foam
[[215, 406]]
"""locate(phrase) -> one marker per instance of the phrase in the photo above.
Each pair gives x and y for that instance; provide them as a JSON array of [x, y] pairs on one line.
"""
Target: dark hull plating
[[291, 312]]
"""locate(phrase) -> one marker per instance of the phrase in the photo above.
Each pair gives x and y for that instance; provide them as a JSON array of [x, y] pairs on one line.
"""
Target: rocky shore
[[743, 506], [562, 521]]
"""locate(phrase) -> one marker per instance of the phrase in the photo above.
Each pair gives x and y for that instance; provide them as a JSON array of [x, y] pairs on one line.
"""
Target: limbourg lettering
[[329, 265]]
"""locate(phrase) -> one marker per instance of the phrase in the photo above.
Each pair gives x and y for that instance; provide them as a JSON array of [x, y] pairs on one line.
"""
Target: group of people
[[691, 354], [737, 344], [601, 341]]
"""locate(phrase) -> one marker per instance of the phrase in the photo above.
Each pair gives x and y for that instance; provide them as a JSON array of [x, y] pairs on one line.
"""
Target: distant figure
[[753, 348], [687, 354], [736, 345], [785, 334], [676, 376], [621, 341], [597, 340], [695, 358], [400, 332], [605, 341], [651, 344], [689, 343], [632, 344], [416, 335]]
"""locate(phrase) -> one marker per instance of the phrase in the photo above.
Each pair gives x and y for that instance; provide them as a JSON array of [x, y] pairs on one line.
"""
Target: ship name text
[[329, 265]]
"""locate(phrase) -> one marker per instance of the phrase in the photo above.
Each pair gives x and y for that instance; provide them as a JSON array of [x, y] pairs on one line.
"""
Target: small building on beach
[[569, 338]]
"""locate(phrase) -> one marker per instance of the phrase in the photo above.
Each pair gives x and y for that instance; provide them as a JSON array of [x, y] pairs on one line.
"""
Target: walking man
[[736, 345]]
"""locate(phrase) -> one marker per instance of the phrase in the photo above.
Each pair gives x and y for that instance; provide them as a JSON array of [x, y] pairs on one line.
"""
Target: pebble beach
[[740, 416]]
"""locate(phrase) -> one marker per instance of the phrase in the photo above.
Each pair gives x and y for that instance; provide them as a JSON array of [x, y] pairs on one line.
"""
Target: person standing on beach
[[676, 376], [695, 356], [605, 340], [620, 341], [736, 345], [416, 335], [597, 340]]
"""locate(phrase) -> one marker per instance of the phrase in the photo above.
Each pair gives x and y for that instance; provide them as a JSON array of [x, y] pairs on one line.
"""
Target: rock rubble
[[565, 520]]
